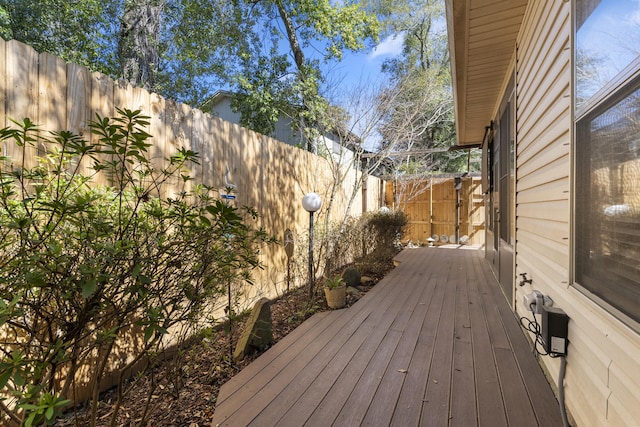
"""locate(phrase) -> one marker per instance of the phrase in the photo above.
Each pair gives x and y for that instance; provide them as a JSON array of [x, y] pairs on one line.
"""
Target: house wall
[[602, 383], [283, 130]]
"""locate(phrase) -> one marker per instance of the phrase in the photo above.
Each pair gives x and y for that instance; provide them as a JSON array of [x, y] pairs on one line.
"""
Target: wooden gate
[[433, 212]]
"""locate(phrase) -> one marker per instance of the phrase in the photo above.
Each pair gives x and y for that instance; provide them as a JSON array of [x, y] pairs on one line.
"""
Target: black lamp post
[[311, 202], [457, 185]]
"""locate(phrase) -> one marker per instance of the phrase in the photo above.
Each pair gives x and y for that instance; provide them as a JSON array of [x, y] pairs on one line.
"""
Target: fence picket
[[270, 175], [22, 99], [52, 96], [3, 99]]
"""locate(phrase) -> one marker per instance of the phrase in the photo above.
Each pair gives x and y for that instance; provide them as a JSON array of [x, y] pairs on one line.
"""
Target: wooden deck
[[434, 343]]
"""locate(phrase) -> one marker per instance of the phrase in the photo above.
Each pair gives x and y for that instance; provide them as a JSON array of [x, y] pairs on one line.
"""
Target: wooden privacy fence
[[270, 175], [432, 212]]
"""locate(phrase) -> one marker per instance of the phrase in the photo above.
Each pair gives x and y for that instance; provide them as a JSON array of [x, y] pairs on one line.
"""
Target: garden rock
[[258, 331], [353, 291]]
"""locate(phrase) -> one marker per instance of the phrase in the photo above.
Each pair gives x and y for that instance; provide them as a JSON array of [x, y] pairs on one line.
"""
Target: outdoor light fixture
[[311, 202]]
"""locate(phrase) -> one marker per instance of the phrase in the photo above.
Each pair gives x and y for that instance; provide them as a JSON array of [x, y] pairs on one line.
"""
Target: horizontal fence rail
[[269, 175]]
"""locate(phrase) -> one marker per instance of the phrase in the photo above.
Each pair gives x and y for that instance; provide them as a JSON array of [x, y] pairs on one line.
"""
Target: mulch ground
[[182, 391]]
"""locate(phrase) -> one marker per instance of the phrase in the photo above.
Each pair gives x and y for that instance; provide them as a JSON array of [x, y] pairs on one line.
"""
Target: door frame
[[500, 209]]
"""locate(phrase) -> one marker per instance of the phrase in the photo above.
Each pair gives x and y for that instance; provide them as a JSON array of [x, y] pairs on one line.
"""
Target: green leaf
[[49, 413], [88, 287], [30, 419], [19, 379], [148, 333], [4, 378]]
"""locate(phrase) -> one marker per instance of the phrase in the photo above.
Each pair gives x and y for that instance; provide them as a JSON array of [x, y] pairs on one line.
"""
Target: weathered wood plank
[[345, 369], [78, 108], [250, 371], [347, 363], [3, 84], [78, 100], [517, 403], [543, 402], [374, 393], [490, 405], [463, 393], [375, 328], [157, 130], [409, 406], [301, 352], [101, 105], [22, 97], [416, 350], [435, 407], [52, 93], [327, 343], [383, 406]]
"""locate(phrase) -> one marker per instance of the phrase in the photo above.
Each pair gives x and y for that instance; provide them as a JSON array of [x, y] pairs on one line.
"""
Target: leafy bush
[[370, 241], [351, 277], [383, 230], [86, 267], [381, 239]]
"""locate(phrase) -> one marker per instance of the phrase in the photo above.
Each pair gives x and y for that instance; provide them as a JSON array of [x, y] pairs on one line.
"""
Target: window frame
[[611, 94]]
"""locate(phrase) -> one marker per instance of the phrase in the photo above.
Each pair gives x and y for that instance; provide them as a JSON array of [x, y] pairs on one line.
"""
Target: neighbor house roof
[[482, 38]]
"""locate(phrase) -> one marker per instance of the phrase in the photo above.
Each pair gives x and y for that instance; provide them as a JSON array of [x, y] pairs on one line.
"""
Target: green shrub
[[333, 282], [382, 234], [83, 265], [384, 231], [351, 277], [370, 242]]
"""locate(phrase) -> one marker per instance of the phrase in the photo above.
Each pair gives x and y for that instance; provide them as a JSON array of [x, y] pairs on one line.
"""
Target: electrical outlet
[[534, 302]]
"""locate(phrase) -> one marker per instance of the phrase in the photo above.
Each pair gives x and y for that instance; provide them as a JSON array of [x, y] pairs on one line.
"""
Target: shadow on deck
[[434, 343]]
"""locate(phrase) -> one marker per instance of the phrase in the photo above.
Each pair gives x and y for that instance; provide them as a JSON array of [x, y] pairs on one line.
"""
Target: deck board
[[433, 343], [409, 405]]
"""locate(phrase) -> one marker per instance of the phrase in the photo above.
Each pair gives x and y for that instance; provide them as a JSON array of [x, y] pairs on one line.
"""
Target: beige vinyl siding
[[602, 383]]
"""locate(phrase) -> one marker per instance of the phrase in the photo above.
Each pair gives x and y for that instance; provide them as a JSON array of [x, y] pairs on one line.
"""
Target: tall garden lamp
[[311, 202]]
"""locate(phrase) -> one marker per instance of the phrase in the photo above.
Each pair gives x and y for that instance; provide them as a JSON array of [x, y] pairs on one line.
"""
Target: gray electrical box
[[555, 330]]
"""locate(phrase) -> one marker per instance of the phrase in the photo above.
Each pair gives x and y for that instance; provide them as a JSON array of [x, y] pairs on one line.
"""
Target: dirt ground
[[182, 391]]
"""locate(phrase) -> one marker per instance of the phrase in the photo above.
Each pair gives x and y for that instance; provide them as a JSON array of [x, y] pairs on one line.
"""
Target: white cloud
[[390, 46]]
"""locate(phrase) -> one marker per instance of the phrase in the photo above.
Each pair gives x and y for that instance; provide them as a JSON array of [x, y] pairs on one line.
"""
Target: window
[[607, 168]]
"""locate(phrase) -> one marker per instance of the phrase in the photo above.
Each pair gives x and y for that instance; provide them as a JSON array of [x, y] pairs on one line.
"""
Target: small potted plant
[[335, 291]]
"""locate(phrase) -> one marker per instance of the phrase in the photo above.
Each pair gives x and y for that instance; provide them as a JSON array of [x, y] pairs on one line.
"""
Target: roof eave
[[482, 36]]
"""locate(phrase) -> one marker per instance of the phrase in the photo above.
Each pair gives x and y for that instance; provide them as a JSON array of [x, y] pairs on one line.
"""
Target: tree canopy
[[270, 52], [420, 117]]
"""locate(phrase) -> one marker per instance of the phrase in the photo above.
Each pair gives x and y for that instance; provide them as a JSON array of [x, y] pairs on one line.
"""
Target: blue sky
[[364, 66], [358, 75], [612, 34]]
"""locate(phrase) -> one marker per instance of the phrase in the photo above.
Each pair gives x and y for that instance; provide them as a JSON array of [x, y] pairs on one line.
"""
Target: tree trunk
[[298, 55], [139, 40]]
